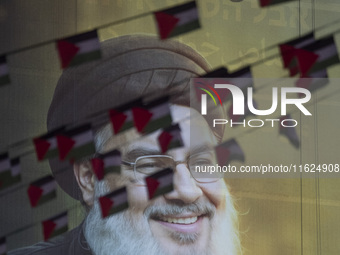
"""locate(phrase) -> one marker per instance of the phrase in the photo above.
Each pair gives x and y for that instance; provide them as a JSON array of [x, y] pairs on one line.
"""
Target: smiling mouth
[[185, 221]]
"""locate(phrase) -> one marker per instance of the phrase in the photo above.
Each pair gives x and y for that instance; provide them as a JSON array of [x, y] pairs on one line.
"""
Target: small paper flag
[[160, 183], [10, 171], [114, 202], [41, 191], [107, 163], [76, 143], [170, 138], [177, 20], [79, 49], [55, 226]]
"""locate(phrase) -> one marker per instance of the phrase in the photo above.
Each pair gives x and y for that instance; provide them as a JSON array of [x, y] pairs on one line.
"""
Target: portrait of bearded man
[[198, 216]]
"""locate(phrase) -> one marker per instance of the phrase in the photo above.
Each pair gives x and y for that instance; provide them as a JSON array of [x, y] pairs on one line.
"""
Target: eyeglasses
[[198, 164]]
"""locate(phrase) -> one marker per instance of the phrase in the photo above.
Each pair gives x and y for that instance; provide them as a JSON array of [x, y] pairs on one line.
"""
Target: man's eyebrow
[[132, 155], [201, 148]]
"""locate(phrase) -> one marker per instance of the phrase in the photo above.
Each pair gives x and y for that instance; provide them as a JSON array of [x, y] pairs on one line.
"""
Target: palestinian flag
[[4, 73], [79, 49], [170, 138], [76, 143], [264, 3], [114, 202], [228, 151], [107, 163], [288, 51], [323, 53], [153, 116], [314, 80], [160, 183], [46, 145], [55, 226], [3, 246], [177, 20], [289, 132], [10, 171], [122, 117], [42, 191]]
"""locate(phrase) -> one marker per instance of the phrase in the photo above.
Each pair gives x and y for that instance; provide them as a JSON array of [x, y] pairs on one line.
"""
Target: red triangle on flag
[[141, 117], [65, 145], [98, 167], [306, 59], [34, 195], [48, 228], [166, 23], [222, 154], [287, 54], [67, 51], [264, 3], [106, 205], [41, 147], [117, 120], [164, 140], [152, 186]]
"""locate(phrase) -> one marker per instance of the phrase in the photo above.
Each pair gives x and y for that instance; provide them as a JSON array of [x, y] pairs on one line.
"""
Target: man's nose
[[185, 186]]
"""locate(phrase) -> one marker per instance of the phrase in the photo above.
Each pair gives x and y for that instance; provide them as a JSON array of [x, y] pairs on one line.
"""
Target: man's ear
[[85, 178]]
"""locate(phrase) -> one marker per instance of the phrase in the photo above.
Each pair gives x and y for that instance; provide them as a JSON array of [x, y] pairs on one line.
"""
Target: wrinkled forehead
[[194, 132]]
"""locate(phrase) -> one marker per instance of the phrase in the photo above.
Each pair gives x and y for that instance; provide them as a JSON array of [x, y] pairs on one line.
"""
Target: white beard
[[124, 234]]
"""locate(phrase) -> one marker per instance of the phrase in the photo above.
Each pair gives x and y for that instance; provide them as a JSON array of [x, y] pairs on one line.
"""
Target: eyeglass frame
[[176, 162]]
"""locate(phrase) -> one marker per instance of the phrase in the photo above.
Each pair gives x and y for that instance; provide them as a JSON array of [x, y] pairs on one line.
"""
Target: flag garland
[[160, 183], [10, 171], [76, 143], [114, 202], [46, 145], [42, 191], [55, 226], [79, 49], [152, 116], [107, 163], [177, 20]]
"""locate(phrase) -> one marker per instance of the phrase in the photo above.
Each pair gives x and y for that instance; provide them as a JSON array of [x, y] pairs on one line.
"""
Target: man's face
[[189, 220]]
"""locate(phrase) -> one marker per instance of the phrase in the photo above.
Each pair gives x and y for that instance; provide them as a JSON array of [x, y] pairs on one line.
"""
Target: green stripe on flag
[[7, 180], [324, 64], [163, 190], [112, 169], [59, 231], [185, 28], [45, 198], [4, 80], [82, 151], [81, 58], [162, 122], [118, 208]]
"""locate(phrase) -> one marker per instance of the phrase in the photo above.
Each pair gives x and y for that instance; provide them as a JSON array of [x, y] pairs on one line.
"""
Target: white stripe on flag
[[15, 170], [88, 46], [3, 69], [53, 143], [48, 187], [60, 222], [304, 43], [326, 52], [241, 82], [186, 16], [112, 161], [319, 74], [165, 180], [160, 111], [119, 199], [5, 165], [235, 149], [83, 138]]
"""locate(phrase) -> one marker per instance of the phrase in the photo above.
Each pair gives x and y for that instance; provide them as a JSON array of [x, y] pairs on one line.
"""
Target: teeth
[[180, 220]]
